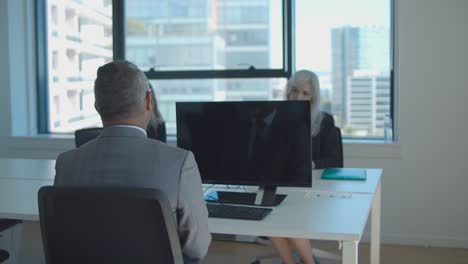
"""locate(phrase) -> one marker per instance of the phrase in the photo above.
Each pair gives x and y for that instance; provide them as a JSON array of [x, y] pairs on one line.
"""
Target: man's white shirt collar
[[139, 128]]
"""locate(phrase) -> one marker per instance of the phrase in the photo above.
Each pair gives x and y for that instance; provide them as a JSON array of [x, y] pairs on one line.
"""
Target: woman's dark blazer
[[158, 133], [325, 145]]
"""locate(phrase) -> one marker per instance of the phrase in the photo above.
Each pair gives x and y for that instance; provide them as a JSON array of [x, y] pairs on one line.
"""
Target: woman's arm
[[329, 154]]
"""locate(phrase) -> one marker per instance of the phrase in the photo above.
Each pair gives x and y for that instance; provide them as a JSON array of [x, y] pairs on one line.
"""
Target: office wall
[[425, 189], [425, 174], [4, 76]]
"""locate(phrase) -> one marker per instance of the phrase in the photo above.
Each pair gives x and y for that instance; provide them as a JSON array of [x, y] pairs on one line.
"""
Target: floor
[[236, 252], [232, 252]]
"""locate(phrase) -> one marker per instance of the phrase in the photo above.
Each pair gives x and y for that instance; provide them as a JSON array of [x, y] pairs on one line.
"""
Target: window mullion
[[42, 72], [118, 29]]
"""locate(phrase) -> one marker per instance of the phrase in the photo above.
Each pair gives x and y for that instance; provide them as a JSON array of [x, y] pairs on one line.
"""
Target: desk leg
[[10, 240], [350, 252], [375, 227]]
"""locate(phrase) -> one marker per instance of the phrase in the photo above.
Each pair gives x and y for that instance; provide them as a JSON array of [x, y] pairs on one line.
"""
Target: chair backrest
[[8, 223], [3, 255], [340, 148], [107, 225], [83, 136]]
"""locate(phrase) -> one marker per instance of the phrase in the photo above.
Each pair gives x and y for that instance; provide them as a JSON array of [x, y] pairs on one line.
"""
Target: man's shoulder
[[166, 148], [142, 145], [68, 153]]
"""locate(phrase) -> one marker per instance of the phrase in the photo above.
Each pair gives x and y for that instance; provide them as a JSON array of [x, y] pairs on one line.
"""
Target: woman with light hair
[[304, 85]]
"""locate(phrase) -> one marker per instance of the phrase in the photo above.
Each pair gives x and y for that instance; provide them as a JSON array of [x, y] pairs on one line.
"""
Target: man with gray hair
[[123, 155]]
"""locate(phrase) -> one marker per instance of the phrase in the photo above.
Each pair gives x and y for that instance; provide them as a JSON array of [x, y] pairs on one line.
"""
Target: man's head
[[122, 94]]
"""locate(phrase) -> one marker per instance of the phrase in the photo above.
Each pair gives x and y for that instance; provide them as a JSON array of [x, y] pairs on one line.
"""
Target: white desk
[[306, 215], [315, 213], [372, 186], [18, 198], [40, 169], [369, 186]]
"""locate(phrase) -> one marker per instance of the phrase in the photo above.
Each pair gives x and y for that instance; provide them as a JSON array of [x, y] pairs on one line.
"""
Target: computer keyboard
[[248, 198], [237, 211]]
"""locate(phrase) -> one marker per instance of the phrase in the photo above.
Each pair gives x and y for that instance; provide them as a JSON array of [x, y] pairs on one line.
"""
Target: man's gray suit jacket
[[124, 156]]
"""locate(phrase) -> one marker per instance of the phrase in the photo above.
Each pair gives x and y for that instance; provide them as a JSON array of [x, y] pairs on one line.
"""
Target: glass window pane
[[347, 43], [79, 39], [170, 91], [204, 34]]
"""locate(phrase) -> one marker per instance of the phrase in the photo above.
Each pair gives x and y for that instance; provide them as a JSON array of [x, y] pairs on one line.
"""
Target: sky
[[315, 18]]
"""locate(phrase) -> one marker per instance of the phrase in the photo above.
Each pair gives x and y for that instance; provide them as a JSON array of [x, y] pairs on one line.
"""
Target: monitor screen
[[266, 143]]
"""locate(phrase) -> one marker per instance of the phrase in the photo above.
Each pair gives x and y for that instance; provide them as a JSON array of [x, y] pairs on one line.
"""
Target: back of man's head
[[120, 89]]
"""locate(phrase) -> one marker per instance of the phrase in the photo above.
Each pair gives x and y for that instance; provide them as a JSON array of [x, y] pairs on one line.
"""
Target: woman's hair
[[156, 117], [305, 77]]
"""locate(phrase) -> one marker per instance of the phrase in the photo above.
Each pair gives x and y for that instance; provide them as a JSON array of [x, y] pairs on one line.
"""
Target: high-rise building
[[374, 49], [176, 35], [345, 53], [79, 37], [244, 25], [201, 35], [356, 49], [368, 103]]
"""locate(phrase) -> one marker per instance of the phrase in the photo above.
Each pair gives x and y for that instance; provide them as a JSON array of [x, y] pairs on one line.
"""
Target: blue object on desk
[[211, 196], [344, 174]]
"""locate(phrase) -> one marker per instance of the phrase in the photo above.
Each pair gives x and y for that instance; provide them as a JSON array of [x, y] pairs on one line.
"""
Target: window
[[78, 42], [222, 35], [204, 34], [221, 50], [170, 91], [348, 43]]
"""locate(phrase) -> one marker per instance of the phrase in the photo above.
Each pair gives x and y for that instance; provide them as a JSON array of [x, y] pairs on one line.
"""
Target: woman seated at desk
[[156, 128], [304, 85]]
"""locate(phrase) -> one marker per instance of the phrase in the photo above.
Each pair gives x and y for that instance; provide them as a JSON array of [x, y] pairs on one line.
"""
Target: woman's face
[[300, 91]]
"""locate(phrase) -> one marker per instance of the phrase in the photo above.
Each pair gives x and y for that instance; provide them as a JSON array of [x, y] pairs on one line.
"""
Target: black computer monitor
[[264, 143]]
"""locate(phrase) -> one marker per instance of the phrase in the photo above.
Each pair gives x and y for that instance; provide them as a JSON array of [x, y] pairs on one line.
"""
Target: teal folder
[[344, 174]]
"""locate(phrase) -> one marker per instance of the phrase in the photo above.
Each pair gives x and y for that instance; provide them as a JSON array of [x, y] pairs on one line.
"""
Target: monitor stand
[[265, 196]]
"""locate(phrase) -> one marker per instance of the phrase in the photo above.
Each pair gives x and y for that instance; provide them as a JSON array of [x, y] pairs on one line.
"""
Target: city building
[[368, 103], [345, 53], [201, 35], [79, 40]]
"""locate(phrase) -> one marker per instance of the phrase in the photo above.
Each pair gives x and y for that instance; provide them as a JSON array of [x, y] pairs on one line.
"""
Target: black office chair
[[107, 225], [4, 225], [3, 255], [83, 136], [340, 147]]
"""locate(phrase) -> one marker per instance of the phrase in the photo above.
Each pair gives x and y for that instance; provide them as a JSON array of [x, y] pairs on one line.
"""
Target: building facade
[[368, 103], [79, 40]]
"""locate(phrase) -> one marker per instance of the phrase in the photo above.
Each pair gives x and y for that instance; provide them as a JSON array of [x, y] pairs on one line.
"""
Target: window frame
[[42, 67], [251, 72], [118, 30]]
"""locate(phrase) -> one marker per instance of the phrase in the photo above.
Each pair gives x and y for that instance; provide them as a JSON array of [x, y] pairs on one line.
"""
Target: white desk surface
[[305, 214], [369, 186], [18, 198], [45, 169], [24, 177], [330, 210], [374, 177]]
